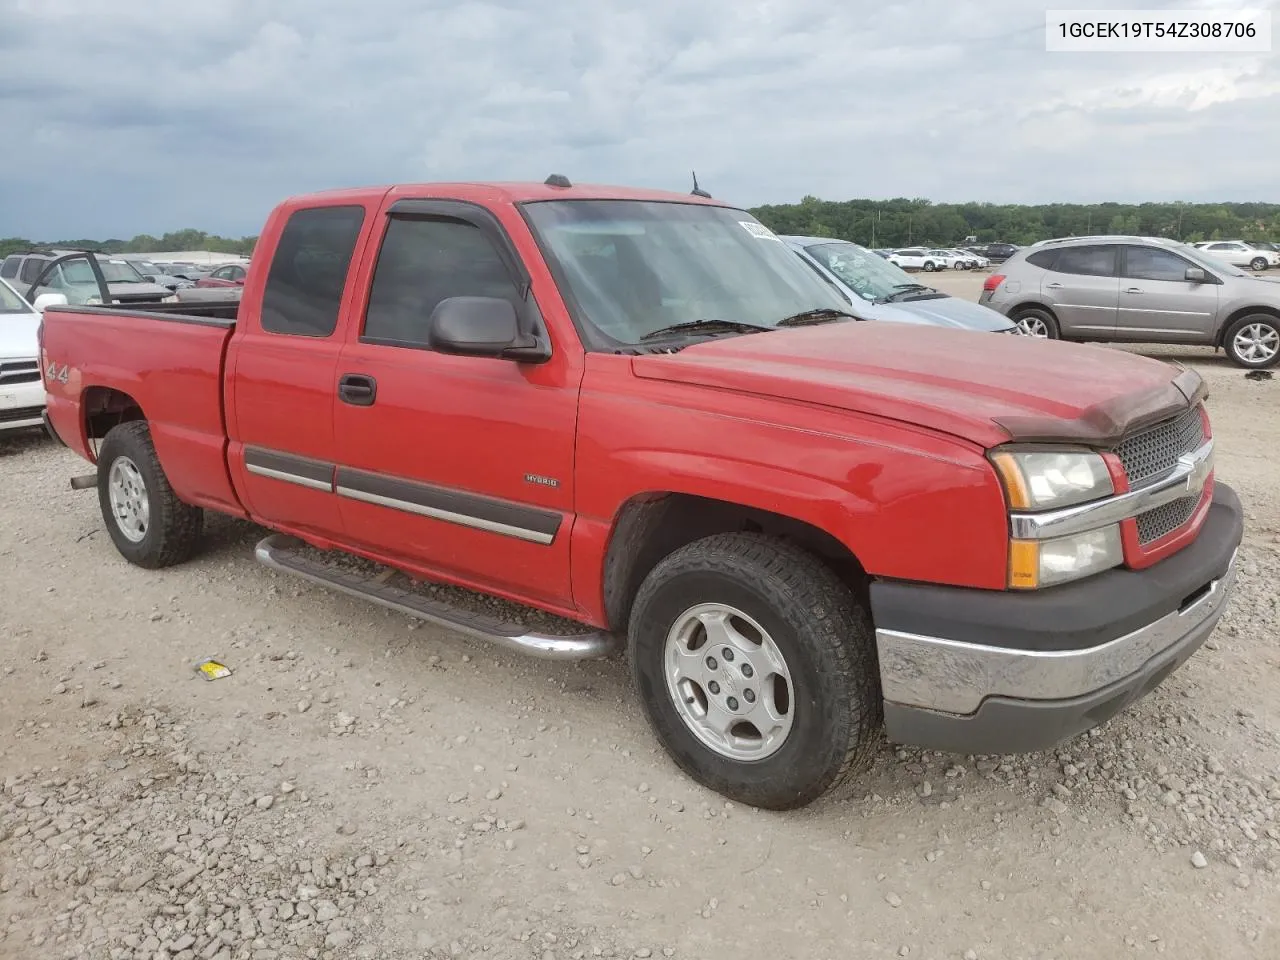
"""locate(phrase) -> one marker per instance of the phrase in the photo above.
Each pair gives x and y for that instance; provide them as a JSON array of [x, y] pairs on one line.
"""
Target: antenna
[[697, 191], [557, 180]]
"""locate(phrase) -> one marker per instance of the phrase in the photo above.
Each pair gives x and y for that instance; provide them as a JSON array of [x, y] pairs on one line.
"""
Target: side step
[[283, 553]]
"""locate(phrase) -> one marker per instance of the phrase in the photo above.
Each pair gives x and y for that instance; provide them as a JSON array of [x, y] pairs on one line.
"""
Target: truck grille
[[18, 371], [1155, 450], [15, 414], [1162, 521]]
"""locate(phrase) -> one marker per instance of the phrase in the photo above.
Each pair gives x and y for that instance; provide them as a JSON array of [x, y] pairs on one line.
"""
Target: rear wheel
[[1258, 263], [1037, 322], [1253, 341], [147, 522], [756, 668]]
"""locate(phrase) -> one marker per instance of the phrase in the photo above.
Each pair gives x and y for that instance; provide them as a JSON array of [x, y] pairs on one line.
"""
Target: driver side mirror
[[1195, 275], [482, 327], [49, 300]]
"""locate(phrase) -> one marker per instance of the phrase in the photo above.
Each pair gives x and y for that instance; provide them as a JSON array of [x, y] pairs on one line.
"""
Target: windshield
[[869, 276], [635, 266], [10, 302], [113, 271]]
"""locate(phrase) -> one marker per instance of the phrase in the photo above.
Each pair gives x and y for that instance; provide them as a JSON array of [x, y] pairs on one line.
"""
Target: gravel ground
[[365, 786]]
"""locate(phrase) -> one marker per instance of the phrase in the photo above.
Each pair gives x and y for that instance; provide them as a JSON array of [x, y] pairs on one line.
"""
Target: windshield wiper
[[704, 326], [820, 315], [903, 290]]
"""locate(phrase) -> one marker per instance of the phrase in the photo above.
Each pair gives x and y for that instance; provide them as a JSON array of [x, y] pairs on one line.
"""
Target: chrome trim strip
[[520, 533], [1186, 479], [289, 477], [955, 677]]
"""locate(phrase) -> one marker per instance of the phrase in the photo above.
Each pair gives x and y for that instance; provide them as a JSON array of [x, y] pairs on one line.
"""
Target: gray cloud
[[150, 116]]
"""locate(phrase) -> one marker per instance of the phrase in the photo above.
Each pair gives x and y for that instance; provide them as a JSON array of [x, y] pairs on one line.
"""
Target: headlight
[[1044, 481], [1042, 563]]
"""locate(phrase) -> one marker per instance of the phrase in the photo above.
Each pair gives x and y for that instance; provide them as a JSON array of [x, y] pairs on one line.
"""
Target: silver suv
[[1138, 290]]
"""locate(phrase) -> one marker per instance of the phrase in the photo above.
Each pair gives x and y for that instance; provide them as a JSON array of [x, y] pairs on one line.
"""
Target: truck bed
[[162, 362]]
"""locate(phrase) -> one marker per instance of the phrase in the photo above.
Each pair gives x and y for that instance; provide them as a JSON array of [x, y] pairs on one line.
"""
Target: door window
[[1097, 261], [309, 271], [1150, 263], [424, 261]]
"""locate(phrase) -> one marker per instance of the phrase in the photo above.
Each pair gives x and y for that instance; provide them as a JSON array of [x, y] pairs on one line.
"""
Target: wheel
[[149, 525], [1253, 341], [930, 266], [756, 668], [1037, 322], [1258, 263]]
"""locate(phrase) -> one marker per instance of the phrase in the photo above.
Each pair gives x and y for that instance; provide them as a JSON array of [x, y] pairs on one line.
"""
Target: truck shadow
[[17, 442]]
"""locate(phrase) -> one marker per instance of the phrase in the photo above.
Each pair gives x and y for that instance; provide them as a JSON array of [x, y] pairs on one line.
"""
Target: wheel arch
[[102, 408], [1221, 339]]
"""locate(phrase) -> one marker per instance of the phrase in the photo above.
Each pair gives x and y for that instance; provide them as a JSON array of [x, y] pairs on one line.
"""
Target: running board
[[282, 553]]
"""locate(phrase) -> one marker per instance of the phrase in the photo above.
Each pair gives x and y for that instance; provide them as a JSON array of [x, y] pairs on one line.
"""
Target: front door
[[1083, 289], [462, 466], [1158, 302]]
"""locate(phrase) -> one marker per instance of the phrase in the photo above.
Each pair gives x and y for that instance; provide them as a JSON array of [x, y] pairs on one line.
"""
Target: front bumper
[[973, 671], [21, 405]]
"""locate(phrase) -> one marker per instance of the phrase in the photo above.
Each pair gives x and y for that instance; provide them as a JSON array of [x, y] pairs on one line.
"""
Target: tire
[[1253, 341], [162, 532], [1037, 322], [781, 595], [930, 266], [1258, 263]]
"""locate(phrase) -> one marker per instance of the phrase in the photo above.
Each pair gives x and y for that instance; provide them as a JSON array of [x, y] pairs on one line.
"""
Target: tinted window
[[1043, 259], [1089, 261], [31, 268], [309, 271], [1148, 263], [9, 269], [423, 262]]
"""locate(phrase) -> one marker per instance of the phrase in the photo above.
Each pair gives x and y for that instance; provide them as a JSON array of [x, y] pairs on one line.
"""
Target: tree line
[[142, 243], [874, 223], [902, 222]]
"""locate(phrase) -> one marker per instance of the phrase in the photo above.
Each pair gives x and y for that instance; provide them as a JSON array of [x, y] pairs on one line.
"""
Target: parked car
[[996, 252], [641, 411], [1139, 289], [21, 389], [228, 275], [962, 259], [186, 271], [881, 291], [1240, 254], [73, 276], [917, 258], [152, 273]]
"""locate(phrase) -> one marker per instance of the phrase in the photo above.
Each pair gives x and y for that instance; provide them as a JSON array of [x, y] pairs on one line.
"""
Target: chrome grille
[[19, 371], [1156, 450], [1162, 521]]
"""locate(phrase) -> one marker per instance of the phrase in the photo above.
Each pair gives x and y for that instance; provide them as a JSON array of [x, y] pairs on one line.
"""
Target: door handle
[[1135, 290], [357, 389], [1053, 286]]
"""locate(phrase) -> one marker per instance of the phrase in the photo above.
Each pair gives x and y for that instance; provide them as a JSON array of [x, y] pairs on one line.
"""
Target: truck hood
[[988, 390], [18, 336], [937, 312]]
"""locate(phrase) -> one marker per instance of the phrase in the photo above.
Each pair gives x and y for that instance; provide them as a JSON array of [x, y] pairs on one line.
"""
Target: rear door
[[459, 465], [281, 372], [1158, 302], [1083, 287]]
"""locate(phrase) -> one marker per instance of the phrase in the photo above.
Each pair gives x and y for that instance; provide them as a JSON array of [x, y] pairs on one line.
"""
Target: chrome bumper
[[937, 674]]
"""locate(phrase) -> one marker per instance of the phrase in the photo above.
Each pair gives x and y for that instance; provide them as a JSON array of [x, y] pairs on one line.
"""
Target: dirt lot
[[365, 787]]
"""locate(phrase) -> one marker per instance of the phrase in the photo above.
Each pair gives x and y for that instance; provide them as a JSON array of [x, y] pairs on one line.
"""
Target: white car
[[22, 396], [918, 258], [970, 260], [1240, 254]]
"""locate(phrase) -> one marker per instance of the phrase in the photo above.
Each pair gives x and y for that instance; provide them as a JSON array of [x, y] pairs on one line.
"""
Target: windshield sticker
[[758, 230]]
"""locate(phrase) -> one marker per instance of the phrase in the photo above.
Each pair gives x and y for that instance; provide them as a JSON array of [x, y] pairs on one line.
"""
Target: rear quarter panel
[[170, 366]]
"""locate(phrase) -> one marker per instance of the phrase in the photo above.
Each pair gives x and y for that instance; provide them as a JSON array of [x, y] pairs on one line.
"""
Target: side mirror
[[49, 300], [482, 327], [1195, 275]]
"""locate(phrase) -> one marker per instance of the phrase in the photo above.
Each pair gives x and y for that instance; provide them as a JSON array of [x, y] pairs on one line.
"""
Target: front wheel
[[1253, 341], [147, 522], [930, 266], [756, 668], [1258, 263]]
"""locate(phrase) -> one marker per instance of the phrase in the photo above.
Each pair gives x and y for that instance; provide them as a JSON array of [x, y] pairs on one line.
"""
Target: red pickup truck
[[642, 412]]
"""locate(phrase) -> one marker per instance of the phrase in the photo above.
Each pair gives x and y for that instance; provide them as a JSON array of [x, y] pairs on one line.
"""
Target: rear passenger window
[[1088, 261], [422, 262], [1043, 259], [309, 271], [9, 269]]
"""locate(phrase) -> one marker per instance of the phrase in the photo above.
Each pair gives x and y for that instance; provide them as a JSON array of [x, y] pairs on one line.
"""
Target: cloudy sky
[[120, 117]]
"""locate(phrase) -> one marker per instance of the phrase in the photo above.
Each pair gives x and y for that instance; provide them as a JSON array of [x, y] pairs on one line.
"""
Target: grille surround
[[13, 372], [1159, 523], [1149, 454]]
